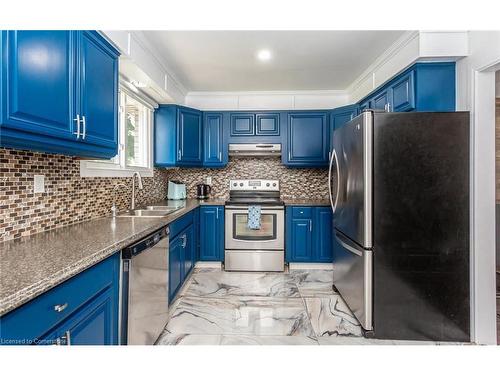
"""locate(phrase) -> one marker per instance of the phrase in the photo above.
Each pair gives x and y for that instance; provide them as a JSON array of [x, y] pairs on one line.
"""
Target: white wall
[[475, 93], [277, 100]]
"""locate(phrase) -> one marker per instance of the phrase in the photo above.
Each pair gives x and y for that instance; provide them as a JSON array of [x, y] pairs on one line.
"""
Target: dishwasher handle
[[146, 243]]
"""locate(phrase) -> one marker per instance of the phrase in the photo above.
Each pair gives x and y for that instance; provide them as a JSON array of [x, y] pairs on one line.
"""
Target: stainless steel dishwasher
[[144, 289]]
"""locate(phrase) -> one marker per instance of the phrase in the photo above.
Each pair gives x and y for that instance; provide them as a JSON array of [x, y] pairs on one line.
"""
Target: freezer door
[[353, 278], [352, 162]]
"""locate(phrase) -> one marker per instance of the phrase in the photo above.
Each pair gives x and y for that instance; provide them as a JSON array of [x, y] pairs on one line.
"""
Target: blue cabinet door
[[323, 240], [211, 233], [341, 116], [267, 124], [242, 124], [214, 154], [307, 140], [93, 324], [300, 240], [98, 91], [176, 267], [38, 79], [382, 101], [189, 250], [189, 134], [403, 93]]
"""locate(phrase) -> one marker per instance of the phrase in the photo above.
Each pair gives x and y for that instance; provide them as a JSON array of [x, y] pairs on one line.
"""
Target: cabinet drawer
[[37, 317], [302, 212], [183, 222]]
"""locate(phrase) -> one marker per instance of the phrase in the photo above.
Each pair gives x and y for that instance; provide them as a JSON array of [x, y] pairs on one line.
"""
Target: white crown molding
[[144, 42], [386, 56]]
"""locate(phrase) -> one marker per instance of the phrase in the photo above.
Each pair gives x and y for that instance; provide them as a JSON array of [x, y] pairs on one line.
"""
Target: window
[[135, 124]]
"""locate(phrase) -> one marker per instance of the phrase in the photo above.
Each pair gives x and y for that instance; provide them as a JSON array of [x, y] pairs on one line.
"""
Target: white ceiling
[[302, 60]]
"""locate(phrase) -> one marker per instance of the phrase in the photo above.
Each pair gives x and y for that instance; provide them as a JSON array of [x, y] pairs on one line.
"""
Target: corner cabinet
[[59, 93], [307, 139], [178, 137], [308, 234], [81, 311], [212, 233]]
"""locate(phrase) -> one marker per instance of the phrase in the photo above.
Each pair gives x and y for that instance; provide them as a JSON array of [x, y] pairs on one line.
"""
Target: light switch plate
[[39, 183]]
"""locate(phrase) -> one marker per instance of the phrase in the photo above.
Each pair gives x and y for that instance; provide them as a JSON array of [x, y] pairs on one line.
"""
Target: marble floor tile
[[222, 284], [267, 340], [330, 316], [168, 338], [314, 283], [241, 315]]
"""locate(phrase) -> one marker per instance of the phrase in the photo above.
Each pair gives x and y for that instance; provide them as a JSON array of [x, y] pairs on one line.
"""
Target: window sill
[[97, 169]]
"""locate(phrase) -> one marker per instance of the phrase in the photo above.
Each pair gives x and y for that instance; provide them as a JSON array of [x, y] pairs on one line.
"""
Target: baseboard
[[310, 266], [202, 264]]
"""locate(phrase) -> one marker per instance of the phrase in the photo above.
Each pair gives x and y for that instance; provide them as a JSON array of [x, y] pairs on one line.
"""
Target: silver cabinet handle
[[184, 241], [220, 155], [68, 337], [84, 127], [179, 155], [388, 107], [61, 308], [310, 225], [77, 119], [217, 213]]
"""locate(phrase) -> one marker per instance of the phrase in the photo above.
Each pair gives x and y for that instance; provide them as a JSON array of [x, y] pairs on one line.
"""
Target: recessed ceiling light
[[264, 55]]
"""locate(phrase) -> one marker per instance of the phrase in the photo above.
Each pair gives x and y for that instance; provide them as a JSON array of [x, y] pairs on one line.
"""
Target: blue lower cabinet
[[182, 251], [176, 266], [81, 311], [322, 234], [212, 233], [308, 234]]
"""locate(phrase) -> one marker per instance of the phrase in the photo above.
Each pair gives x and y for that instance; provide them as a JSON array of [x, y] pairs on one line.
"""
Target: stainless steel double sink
[[150, 211]]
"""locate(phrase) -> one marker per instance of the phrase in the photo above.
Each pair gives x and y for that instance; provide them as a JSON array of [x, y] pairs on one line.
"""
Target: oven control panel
[[254, 185]]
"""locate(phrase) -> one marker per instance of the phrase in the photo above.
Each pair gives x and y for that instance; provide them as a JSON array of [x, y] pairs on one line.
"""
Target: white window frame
[[116, 167]]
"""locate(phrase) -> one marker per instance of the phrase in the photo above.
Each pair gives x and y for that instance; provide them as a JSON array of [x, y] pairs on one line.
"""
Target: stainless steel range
[[260, 249]]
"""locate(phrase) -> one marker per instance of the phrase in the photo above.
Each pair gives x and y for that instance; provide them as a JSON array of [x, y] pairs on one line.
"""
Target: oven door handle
[[262, 208]]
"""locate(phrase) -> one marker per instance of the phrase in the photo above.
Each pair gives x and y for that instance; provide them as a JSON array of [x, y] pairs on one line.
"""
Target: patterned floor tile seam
[[308, 315]]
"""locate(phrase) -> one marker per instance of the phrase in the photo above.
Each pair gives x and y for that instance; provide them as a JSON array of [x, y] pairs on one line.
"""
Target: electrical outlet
[[208, 180], [39, 183]]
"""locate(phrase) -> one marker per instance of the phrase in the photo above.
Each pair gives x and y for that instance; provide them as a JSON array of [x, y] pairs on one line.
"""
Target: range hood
[[255, 149]]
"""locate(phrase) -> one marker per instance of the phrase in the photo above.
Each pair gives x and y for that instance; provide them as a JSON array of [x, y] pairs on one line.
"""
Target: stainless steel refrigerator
[[399, 189]]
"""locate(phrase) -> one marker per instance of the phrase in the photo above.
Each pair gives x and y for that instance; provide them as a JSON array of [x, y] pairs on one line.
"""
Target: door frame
[[482, 203]]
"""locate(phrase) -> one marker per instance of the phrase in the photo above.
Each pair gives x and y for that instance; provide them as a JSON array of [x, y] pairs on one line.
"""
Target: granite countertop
[[306, 202], [32, 265]]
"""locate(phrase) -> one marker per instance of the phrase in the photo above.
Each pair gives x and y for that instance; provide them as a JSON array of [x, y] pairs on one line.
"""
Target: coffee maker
[[202, 191]]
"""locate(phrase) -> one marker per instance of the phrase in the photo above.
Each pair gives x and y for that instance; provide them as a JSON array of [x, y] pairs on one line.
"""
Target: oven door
[[269, 237]]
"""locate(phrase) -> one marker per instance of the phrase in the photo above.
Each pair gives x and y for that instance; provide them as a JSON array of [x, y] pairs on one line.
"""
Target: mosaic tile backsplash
[[69, 198], [295, 182]]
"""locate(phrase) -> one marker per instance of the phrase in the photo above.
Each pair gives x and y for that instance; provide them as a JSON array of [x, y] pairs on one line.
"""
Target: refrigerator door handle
[[352, 249], [334, 205]]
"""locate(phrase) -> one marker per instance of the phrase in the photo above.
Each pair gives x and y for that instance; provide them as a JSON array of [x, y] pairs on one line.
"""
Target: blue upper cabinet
[[422, 87], [215, 154], [242, 124], [382, 100], [98, 88], [178, 137], [307, 139], [38, 81], [340, 116], [267, 124], [403, 93], [58, 93], [189, 137]]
